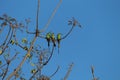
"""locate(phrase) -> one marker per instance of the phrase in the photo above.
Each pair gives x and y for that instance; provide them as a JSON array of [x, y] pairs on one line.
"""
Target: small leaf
[[12, 42], [25, 48], [28, 55], [32, 64], [24, 40], [33, 71]]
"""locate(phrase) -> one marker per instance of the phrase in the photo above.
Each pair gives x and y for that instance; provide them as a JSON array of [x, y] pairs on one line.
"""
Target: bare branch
[[68, 33], [49, 57], [68, 72], [37, 16], [2, 65], [93, 74], [55, 72], [39, 69], [24, 59], [6, 37], [8, 41], [5, 73], [13, 57], [1, 30], [51, 17], [92, 70]]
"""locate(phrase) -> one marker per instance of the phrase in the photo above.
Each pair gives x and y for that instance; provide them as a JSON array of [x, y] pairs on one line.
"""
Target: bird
[[48, 37], [58, 40], [53, 39]]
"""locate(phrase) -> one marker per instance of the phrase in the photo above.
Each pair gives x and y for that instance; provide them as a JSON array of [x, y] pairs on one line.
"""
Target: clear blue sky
[[97, 43]]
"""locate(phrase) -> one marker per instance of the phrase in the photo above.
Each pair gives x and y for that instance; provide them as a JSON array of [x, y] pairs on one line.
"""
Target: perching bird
[[48, 38], [53, 39], [58, 39]]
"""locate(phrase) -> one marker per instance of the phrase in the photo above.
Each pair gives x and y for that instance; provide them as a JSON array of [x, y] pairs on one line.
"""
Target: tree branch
[[22, 62], [68, 33], [68, 72], [37, 16], [49, 57], [6, 37], [51, 17], [55, 71]]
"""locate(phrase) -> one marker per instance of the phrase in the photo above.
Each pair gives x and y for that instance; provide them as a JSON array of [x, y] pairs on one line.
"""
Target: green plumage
[[48, 38], [53, 39], [58, 39]]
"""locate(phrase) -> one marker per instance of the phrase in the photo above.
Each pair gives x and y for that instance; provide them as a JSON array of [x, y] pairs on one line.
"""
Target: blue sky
[[97, 43]]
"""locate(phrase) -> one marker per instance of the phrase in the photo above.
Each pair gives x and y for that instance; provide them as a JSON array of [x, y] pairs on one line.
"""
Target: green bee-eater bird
[[58, 39], [53, 39], [48, 38]]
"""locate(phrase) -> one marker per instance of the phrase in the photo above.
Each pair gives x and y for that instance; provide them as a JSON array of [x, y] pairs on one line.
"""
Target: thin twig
[[68, 72], [6, 37], [1, 30], [92, 70], [55, 72], [42, 65], [8, 63], [2, 65], [13, 57], [93, 74], [51, 17], [37, 16], [8, 41], [9, 60], [41, 36], [68, 33], [49, 57], [24, 59], [36, 72], [5, 72], [30, 32]]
